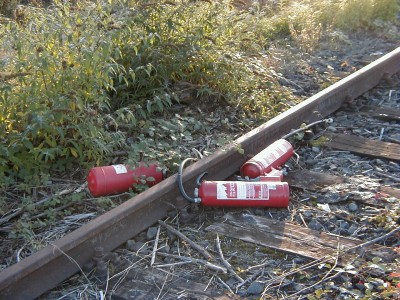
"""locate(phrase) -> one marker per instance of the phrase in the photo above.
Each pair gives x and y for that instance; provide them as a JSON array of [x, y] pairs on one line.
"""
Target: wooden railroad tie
[[298, 240]]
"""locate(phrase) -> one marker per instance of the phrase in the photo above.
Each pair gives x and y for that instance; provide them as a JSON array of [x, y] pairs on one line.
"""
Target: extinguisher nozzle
[[180, 183]]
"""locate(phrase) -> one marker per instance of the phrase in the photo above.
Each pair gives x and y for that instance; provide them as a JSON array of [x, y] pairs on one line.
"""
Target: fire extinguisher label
[[242, 191], [270, 158], [120, 169], [283, 148]]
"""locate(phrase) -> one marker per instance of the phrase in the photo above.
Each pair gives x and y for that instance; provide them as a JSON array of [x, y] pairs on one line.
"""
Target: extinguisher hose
[[326, 121], [201, 176], [180, 183]]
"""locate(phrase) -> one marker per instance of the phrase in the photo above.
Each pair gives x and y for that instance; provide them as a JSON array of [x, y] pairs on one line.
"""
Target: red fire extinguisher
[[116, 179], [272, 157], [237, 193]]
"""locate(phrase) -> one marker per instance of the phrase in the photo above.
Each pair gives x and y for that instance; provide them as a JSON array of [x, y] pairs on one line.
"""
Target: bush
[[78, 79], [56, 92]]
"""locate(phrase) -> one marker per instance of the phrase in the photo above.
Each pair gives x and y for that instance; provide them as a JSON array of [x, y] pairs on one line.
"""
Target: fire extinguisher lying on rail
[[116, 179], [268, 160], [262, 190]]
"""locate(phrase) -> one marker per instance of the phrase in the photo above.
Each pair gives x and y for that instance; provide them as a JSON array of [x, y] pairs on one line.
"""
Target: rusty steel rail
[[48, 267]]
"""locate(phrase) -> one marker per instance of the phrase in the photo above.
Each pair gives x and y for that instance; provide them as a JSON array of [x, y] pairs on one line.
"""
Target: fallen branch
[[373, 241], [250, 279], [321, 280], [226, 263], [224, 284], [194, 245], [20, 211], [153, 256], [203, 262]]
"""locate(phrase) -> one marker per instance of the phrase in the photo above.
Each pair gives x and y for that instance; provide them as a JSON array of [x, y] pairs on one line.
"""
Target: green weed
[[79, 79]]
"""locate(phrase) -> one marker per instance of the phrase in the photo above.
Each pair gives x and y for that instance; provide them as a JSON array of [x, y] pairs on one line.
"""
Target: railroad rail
[[42, 271]]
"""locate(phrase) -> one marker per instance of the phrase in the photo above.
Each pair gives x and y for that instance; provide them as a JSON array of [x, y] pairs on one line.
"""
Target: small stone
[[308, 214], [255, 288], [298, 287], [169, 260], [299, 260], [172, 214], [352, 229], [259, 212], [141, 236], [344, 278], [232, 281], [130, 243], [172, 237], [315, 225], [341, 231], [316, 149], [204, 243], [133, 294], [311, 162], [347, 171], [333, 167], [380, 162], [151, 233], [165, 249], [343, 224], [359, 286], [138, 246], [188, 276], [353, 207], [331, 128]]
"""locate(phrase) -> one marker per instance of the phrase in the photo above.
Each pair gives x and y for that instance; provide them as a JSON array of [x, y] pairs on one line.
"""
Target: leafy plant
[[82, 77]]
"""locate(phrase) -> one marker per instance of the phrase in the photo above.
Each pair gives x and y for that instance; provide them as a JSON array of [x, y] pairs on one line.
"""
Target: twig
[[43, 214], [250, 279], [11, 216], [162, 287], [302, 219], [73, 260], [199, 248], [226, 263], [19, 211], [122, 274], [258, 266], [172, 264], [153, 256], [224, 284], [305, 267], [209, 282], [207, 264], [396, 179], [19, 253], [327, 258], [323, 278], [375, 239]]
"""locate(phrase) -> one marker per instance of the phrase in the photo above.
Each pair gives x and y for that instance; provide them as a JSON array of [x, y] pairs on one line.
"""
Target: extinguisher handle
[[180, 183], [246, 178]]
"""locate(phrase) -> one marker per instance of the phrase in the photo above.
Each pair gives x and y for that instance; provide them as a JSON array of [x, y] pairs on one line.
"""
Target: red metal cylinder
[[244, 194], [116, 179], [274, 175], [272, 157]]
